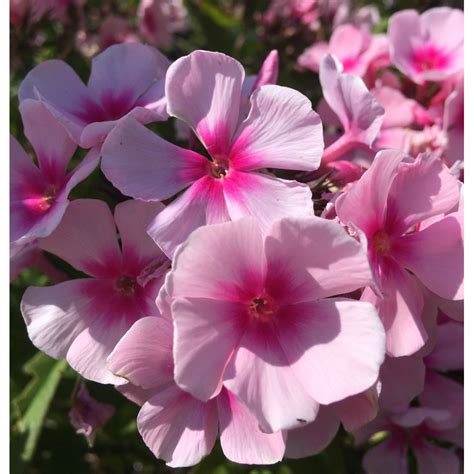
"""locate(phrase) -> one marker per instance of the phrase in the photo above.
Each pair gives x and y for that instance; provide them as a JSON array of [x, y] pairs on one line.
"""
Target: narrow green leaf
[[31, 406]]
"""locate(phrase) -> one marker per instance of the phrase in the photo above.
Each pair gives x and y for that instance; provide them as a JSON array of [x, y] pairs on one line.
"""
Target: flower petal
[[389, 457], [314, 437], [364, 204], [400, 310], [56, 315], [347, 95], [90, 349], [202, 204], [203, 89], [143, 165], [267, 139], [177, 427], [65, 95], [219, 262], [206, 334], [123, 72], [132, 219], [242, 440], [436, 256], [422, 189], [265, 197], [335, 346], [144, 355], [432, 459], [53, 146], [325, 262], [86, 238], [259, 375]]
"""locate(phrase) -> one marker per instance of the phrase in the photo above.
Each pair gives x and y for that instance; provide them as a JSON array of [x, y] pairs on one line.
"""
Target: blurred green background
[[42, 439]]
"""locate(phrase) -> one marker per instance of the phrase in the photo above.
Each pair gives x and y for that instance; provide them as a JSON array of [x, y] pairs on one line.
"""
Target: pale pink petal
[[265, 197], [143, 165], [219, 262], [122, 73], [448, 353], [436, 256], [314, 437], [56, 315], [144, 355], [86, 238], [326, 261], [178, 428], [135, 394], [416, 416], [389, 457], [267, 139], [365, 203], [311, 57], [420, 190], [64, 93], [89, 351], [242, 440], [335, 346], [132, 219], [402, 380], [400, 310], [206, 333], [81, 171], [52, 145], [445, 24], [399, 111], [432, 459], [260, 376], [444, 394], [203, 89], [202, 204], [357, 410], [359, 112], [268, 73]]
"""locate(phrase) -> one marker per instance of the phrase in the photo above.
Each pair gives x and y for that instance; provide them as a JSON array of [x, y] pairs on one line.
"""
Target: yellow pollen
[[381, 243]]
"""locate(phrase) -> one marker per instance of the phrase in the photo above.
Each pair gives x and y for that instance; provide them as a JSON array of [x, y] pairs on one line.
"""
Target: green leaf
[[31, 406]]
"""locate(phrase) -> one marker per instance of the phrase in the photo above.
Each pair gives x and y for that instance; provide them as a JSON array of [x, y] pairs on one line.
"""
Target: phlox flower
[[356, 108], [88, 415], [252, 313], [125, 80], [413, 428], [204, 89], [355, 48], [182, 429], [388, 204], [427, 46], [39, 193], [83, 319], [158, 20], [115, 30]]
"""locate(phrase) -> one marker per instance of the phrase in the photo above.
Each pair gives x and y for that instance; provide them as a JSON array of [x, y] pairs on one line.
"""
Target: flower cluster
[[279, 271]]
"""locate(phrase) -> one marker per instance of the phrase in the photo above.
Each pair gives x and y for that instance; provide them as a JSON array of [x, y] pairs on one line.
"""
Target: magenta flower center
[[428, 57], [262, 309], [381, 243], [126, 285], [219, 168]]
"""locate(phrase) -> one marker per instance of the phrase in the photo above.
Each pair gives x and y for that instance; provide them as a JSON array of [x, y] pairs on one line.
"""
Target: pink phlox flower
[[87, 415], [83, 319], [388, 204], [355, 48], [413, 429], [39, 193], [158, 20], [280, 131], [427, 46], [261, 320], [125, 80]]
